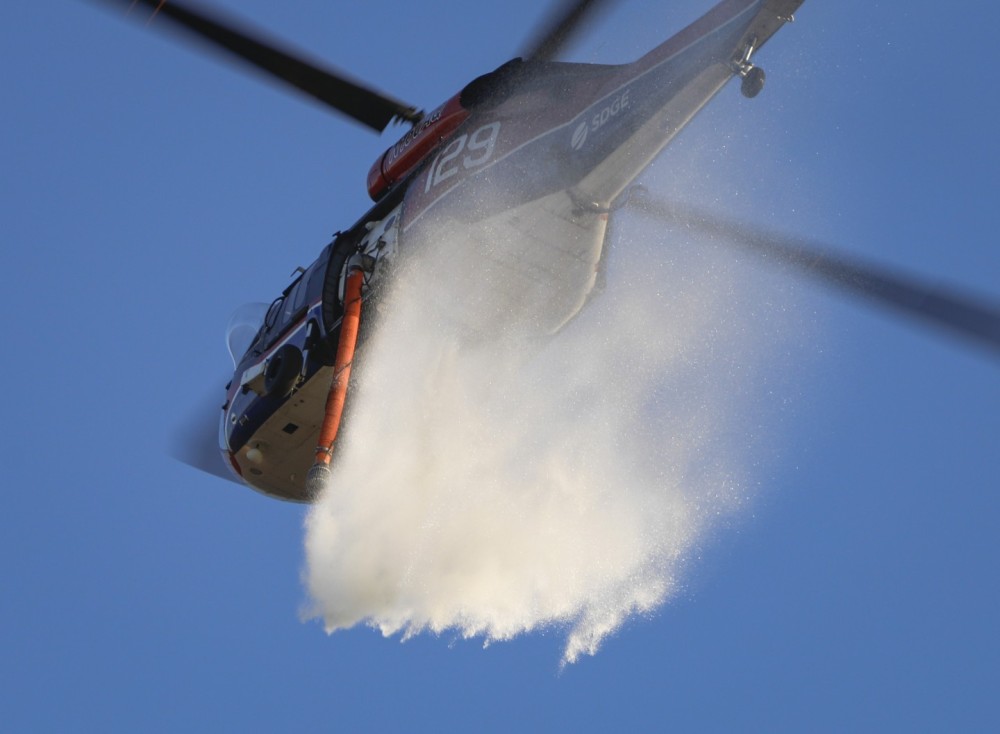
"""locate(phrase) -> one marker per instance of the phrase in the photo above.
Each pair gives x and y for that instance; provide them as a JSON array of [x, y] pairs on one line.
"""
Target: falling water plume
[[495, 486]]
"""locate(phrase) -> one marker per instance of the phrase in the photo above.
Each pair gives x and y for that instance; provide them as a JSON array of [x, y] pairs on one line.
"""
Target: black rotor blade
[[365, 105], [960, 313], [564, 23], [196, 441]]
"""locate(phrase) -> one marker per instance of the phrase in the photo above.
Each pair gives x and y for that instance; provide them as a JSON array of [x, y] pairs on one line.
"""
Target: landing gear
[[282, 371], [753, 76]]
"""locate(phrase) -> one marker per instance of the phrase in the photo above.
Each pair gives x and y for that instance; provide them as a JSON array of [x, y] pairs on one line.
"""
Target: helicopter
[[529, 163]]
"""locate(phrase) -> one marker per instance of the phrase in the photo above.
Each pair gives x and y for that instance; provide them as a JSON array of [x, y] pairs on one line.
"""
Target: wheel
[[282, 371], [753, 82]]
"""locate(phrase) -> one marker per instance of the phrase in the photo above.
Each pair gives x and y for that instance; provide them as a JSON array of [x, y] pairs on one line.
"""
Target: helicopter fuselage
[[525, 174]]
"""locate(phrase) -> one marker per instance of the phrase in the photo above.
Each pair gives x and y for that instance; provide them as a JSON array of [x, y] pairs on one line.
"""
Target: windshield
[[243, 327]]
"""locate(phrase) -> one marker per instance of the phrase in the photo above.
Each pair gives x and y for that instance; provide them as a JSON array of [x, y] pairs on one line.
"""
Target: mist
[[488, 488]]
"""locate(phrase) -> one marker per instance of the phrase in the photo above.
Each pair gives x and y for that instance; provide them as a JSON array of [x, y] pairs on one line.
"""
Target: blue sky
[[148, 191]]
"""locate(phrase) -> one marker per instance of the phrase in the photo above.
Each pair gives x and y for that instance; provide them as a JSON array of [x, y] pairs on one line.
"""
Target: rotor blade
[[564, 23], [365, 105], [960, 313], [195, 441]]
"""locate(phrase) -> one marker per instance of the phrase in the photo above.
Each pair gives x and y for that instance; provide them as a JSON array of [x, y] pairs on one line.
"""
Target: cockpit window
[[269, 322], [273, 317], [290, 306], [302, 296]]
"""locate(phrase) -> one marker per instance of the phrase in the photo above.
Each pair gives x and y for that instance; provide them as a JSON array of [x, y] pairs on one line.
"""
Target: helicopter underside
[[276, 459]]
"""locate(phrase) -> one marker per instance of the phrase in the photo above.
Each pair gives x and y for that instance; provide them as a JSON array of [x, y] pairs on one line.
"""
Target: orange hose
[[342, 366]]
